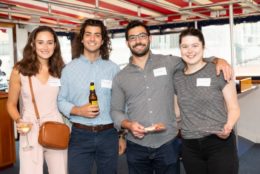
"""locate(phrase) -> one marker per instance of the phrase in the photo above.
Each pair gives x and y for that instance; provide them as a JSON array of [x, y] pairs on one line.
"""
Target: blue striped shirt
[[74, 91]]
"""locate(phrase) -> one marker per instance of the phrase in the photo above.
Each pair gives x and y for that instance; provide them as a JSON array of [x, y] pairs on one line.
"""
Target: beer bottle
[[93, 100]]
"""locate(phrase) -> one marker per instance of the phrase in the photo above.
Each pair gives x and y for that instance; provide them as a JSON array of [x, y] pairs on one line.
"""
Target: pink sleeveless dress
[[46, 101]]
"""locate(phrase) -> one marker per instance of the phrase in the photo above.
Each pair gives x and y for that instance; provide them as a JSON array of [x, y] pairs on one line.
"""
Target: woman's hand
[[226, 132], [23, 127]]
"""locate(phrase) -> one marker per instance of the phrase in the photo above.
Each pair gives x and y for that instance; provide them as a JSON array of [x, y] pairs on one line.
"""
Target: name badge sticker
[[106, 84], [203, 81], [159, 72], [54, 82]]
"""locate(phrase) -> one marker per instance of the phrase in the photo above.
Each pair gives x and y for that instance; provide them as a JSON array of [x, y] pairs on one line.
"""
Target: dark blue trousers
[[85, 147], [146, 160], [210, 155]]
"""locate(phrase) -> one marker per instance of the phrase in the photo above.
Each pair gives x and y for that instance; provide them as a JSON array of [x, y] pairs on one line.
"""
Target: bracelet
[[121, 136]]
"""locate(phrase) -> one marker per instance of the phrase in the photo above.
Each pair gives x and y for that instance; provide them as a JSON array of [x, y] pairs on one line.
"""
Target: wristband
[[121, 136], [122, 133]]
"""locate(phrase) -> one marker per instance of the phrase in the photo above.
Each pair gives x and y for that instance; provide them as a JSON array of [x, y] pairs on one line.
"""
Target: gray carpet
[[250, 161]]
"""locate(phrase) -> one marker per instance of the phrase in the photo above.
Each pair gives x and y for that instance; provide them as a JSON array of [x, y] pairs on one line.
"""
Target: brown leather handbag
[[52, 135]]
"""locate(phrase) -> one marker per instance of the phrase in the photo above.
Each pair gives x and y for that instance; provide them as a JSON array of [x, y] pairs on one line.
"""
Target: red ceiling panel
[[121, 13], [36, 7], [113, 7], [151, 7], [179, 3]]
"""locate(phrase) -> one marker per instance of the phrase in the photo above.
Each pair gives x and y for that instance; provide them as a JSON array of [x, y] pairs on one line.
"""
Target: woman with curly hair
[[42, 63]]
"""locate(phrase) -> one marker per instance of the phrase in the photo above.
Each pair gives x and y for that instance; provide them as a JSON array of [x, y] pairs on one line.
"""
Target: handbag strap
[[33, 99]]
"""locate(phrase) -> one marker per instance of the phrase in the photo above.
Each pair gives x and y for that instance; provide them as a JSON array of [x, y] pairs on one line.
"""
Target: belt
[[96, 128]]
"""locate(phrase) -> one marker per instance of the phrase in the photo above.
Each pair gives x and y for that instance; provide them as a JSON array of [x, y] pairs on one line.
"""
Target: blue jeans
[[210, 155], [85, 147], [146, 160]]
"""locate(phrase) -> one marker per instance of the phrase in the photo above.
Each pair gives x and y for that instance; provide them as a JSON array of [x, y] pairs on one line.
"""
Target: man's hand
[[122, 145], [87, 110], [137, 129], [134, 127], [225, 67]]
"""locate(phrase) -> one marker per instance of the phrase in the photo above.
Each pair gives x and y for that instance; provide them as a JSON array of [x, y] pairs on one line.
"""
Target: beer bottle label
[[94, 102]]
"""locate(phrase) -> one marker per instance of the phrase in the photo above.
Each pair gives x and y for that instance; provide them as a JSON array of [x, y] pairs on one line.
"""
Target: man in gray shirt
[[142, 96]]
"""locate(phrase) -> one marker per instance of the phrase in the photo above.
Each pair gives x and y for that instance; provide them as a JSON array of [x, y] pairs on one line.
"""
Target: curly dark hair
[[30, 65], [78, 47]]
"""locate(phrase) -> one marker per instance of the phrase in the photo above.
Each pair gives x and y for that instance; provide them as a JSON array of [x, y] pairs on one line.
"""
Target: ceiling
[[69, 14]]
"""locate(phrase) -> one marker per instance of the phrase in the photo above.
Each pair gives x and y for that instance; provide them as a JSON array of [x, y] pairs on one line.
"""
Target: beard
[[140, 53]]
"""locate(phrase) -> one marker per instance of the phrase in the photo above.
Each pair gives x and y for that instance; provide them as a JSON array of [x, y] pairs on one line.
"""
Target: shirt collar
[[84, 59], [148, 60]]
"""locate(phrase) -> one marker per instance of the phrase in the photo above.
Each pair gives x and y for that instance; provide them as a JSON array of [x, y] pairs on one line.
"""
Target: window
[[65, 46], [6, 55], [246, 45]]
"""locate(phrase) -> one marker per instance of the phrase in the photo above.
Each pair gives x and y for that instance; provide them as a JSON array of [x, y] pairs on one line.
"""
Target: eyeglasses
[[140, 36]]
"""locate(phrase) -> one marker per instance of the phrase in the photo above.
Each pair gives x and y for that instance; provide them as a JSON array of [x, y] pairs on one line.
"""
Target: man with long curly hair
[[93, 136]]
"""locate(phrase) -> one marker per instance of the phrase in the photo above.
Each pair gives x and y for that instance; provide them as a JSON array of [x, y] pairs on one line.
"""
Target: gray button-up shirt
[[146, 96]]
